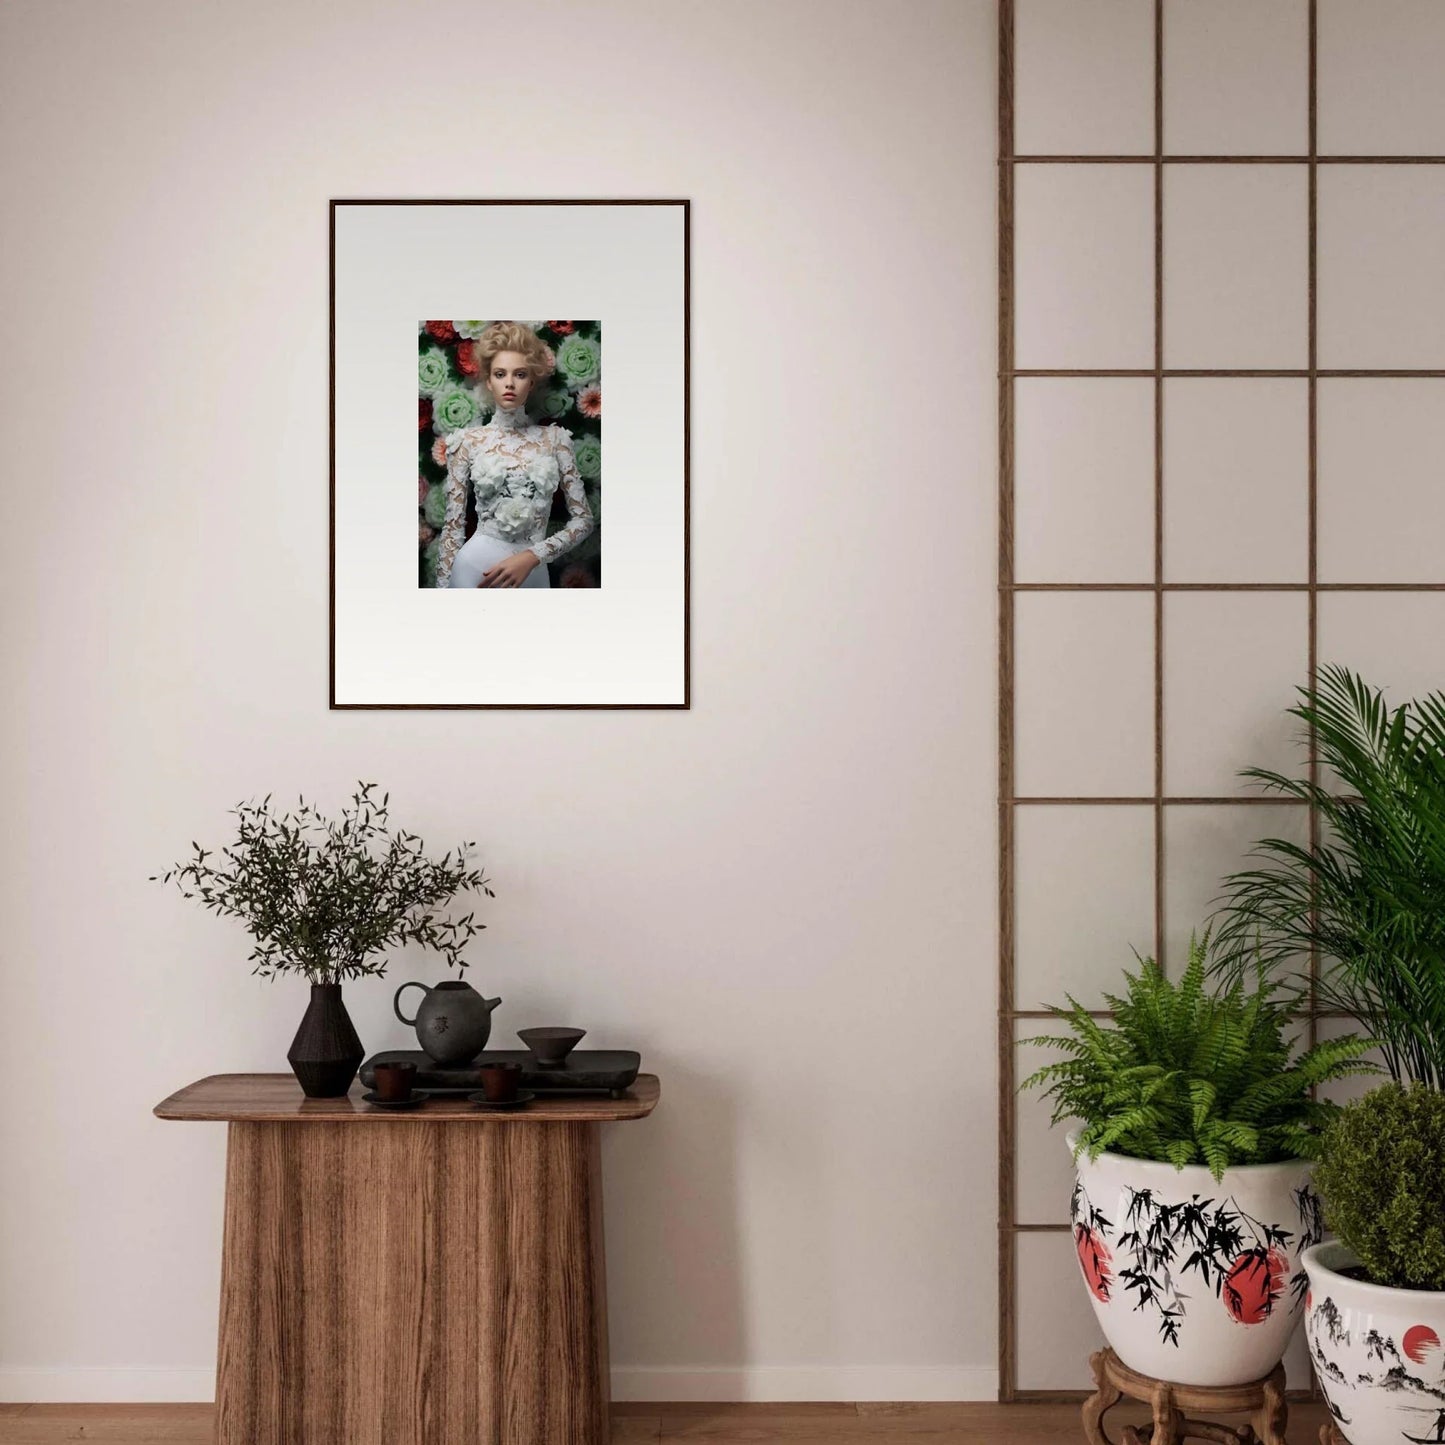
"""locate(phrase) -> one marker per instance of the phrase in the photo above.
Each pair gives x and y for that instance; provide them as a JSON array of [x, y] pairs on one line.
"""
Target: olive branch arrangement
[[320, 896]]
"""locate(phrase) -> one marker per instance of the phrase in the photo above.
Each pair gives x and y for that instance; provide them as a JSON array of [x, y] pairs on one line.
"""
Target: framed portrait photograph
[[516, 453]]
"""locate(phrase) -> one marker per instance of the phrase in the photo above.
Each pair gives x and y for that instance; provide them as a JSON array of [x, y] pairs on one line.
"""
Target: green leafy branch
[[322, 897]]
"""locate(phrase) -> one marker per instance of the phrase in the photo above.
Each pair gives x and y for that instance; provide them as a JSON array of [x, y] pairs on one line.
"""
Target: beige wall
[[793, 877]]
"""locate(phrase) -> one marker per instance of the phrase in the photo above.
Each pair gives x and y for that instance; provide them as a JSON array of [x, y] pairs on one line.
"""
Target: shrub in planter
[[1193, 1200], [1375, 1318]]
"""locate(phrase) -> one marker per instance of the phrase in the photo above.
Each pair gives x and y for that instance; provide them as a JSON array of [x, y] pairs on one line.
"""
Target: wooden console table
[[426, 1277]]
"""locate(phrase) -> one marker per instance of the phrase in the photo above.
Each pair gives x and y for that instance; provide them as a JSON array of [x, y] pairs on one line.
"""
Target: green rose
[[588, 451], [554, 403], [579, 360], [429, 562], [471, 329], [434, 509], [452, 407], [433, 373]]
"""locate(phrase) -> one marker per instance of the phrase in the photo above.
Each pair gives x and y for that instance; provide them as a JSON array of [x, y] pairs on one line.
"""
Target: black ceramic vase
[[326, 1052]]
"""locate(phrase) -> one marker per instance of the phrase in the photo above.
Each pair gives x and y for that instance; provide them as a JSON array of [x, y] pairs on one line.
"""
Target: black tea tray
[[585, 1071]]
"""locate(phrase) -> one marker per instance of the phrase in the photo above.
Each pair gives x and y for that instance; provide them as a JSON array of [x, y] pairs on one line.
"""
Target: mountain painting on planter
[[1383, 1377]]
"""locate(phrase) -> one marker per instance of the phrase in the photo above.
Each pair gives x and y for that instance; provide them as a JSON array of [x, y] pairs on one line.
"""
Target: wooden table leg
[[413, 1283]]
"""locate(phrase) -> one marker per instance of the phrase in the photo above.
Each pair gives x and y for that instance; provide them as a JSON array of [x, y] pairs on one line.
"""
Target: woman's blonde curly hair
[[503, 336]]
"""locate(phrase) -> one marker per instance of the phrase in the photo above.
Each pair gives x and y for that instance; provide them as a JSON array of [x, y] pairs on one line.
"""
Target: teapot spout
[[491, 1003]]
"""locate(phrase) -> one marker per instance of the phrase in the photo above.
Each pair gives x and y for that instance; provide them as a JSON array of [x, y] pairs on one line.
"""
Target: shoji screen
[[1222, 465]]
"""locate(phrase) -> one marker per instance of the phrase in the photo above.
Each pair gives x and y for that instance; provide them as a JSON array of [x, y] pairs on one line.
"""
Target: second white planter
[[1377, 1352], [1192, 1280]]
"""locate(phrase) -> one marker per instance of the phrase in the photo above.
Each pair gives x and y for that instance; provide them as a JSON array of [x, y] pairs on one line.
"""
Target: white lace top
[[514, 465]]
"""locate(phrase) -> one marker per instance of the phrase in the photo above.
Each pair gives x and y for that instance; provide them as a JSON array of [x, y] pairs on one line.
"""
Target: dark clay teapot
[[453, 1022]]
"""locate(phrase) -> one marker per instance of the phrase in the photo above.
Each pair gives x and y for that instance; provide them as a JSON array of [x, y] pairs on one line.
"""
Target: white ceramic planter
[[1195, 1281], [1377, 1351]]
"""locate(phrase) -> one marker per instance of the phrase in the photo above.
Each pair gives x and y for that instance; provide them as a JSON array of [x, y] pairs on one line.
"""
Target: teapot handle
[[396, 1002]]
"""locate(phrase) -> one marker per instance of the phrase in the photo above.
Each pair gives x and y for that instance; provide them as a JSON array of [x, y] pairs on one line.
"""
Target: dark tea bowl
[[550, 1047]]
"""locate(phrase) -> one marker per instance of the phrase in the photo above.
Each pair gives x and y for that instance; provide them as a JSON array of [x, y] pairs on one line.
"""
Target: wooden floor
[[716, 1424]]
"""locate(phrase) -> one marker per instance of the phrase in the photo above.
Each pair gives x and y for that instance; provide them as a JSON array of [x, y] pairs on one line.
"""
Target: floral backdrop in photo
[[451, 396]]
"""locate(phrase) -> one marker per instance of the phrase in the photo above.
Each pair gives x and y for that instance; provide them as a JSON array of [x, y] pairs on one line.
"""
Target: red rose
[[576, 575], [424, 414], [467, 362], [563, 328], [441, 330]]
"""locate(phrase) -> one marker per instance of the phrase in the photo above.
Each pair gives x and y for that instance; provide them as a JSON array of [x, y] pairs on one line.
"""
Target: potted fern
[[323, 898], [1192, 1202]]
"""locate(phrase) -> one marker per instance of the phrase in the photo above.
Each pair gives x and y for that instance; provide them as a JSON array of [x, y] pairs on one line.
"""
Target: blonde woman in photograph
[[513, 465]]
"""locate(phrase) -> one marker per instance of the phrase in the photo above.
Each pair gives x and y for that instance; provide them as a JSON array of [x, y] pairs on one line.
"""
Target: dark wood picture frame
[[686, 205]]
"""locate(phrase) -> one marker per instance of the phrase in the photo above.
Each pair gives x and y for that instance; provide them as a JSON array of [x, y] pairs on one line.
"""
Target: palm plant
[[1369, 897]]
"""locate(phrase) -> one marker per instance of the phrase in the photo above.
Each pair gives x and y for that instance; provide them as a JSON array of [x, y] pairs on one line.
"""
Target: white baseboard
[[710, 1384], [780, 1383], [38, 1385]]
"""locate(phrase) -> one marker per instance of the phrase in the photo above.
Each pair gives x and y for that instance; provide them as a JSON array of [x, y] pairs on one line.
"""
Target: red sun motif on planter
[[1419, 1341], [1095, 1260], [1254, 1282]]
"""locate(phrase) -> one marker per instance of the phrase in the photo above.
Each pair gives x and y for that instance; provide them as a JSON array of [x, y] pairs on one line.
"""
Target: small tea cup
[[394, 1080], [500, 1081]]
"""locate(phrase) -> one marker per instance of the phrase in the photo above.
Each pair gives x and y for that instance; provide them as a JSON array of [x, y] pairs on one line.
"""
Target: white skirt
[[480, 553]]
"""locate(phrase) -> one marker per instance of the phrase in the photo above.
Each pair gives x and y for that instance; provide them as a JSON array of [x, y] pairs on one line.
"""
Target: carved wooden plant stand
[[1329, 1435], [1264, 1399]]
